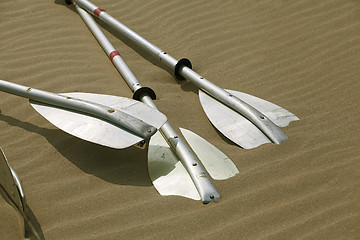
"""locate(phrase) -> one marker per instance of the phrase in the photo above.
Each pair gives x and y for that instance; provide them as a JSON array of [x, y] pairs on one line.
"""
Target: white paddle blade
[[8, 185], [96, 130], [217, 164], [236, 127], [168, 175], [13, 193], [278, 115], [18, 185]]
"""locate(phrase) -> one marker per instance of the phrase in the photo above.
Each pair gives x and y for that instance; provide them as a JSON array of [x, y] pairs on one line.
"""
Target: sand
[[301, 55]]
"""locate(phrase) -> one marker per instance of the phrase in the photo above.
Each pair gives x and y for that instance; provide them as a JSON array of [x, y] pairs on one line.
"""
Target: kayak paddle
[[169, 175], [246, 120], [107, 120]]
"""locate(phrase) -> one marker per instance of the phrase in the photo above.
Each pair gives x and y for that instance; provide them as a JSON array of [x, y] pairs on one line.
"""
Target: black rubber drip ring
[[144, 90], [180, 63]]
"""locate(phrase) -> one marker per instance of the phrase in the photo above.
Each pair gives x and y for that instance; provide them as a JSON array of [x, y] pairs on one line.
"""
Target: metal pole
[[199, 176], [116, 117], [182, 69]]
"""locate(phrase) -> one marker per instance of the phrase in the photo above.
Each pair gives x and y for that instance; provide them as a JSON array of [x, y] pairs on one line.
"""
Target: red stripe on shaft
[[98, 11], [113, 54]]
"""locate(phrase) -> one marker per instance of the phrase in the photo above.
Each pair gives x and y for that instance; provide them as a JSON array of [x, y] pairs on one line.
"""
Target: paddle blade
[[217, 164], [13, 193], [236, 127], [168, 175], [97, 130], [8, 186]]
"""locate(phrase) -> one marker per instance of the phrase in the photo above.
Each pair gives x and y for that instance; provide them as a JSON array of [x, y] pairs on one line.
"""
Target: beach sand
[[302, 55]]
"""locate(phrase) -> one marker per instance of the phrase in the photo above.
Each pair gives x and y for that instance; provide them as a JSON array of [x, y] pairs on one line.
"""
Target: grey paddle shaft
[[183, 69], [199, 176], [114, 116], [114, 56], [272, 131], [196, 171]]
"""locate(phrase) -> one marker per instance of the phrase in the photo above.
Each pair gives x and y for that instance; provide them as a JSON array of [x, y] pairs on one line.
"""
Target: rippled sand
[[302, 55]]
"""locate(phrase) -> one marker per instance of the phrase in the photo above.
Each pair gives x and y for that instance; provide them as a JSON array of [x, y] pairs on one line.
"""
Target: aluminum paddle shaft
[[114, 116], [182, 69], [199, 176]]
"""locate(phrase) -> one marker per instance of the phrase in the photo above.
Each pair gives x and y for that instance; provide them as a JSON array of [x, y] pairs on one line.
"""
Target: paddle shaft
[[199, 176], [114, 116], [182, 69]]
